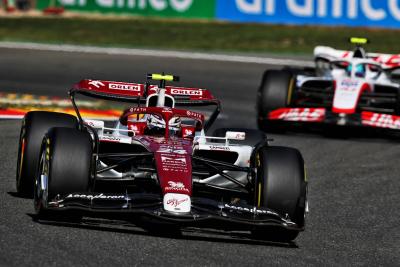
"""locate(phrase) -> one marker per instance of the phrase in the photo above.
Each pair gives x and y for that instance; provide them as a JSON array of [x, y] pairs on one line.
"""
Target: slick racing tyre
[[282, 187], [253, 136], [275, 92], [34, 126], [64, 166]]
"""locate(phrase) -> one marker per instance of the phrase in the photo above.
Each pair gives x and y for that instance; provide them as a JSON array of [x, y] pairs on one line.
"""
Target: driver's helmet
[[156, 125], [359, 72]]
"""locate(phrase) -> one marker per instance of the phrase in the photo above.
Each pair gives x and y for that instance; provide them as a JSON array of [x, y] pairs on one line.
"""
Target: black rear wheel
[[282, 187], [275, 92], [34, 126], [64, 167]]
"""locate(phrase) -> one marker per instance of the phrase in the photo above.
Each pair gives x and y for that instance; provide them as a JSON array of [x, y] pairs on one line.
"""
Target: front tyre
[[64, 167], [282, 187], [34, 126]]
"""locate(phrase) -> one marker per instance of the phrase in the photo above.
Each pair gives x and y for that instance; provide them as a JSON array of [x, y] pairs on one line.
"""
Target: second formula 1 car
[[348, 88], [157, 161]]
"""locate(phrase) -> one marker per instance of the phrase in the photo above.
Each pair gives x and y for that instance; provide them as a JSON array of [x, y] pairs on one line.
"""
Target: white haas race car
[[349, 88], [155, 161]]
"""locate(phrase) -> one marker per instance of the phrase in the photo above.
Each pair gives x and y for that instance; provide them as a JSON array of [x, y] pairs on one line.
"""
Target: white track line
[[157, 53]]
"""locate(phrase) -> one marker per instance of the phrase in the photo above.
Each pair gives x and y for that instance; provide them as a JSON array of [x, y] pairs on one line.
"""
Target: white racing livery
[[349, 88]]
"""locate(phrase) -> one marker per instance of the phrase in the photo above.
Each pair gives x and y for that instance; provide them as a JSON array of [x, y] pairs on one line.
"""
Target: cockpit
[[364, 69], [154, 124]]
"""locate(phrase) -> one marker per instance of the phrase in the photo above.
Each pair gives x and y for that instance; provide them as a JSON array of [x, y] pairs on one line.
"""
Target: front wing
[[204, 212], [322, 115]]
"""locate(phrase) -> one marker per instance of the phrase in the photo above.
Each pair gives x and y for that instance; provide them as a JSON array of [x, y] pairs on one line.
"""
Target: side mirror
[[97, 125], [235, 135]]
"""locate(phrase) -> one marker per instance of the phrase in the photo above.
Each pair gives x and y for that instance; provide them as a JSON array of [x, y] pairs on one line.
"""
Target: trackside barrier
[[371, 13], [204, 9], [366, 13]]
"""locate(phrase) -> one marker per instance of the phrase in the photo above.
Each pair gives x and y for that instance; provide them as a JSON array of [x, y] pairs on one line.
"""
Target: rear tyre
[[253, 136], [64, 167], [275, 92], [281, 187], [34, 126]]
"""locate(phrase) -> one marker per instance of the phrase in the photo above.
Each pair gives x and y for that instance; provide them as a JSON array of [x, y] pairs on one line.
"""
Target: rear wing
[[137, 93], [387, 61], [131, 92], [109, 90]]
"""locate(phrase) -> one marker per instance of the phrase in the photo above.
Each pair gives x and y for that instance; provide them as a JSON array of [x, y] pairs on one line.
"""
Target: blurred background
[[259, 26]]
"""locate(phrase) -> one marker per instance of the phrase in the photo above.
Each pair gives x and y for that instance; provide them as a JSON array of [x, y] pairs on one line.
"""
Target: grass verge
[[185, 35]]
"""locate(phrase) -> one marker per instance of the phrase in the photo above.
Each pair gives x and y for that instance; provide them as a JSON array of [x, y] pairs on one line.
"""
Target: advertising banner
[[375, 13], [161, 8]]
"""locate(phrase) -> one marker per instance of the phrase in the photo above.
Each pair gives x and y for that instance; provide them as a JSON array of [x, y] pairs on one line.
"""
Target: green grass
[[183, 35]]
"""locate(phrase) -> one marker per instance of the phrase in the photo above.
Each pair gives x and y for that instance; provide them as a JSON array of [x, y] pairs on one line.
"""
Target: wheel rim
[[42, 180]]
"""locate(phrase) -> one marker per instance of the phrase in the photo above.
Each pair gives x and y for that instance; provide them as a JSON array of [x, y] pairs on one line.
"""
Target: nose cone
[[179, 203]]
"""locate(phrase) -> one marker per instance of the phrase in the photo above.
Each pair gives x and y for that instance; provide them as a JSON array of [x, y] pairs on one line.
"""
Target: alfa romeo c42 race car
[[156, 161], [350, 88]]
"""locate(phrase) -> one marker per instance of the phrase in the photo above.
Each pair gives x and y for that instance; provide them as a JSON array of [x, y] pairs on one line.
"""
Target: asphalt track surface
[[354, 182]]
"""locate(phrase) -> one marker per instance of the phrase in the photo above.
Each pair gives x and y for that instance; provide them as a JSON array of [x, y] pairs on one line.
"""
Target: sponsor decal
[[383, 13], [224, 148], [172, 149], [176, 186], [235, 135], [138, 110], [124, 87], [166, 110], [98, 196], [95, 123], [158, 6], [110, 138], [188, 132], [174, 163], [96, 84], [347, 94], [349, 85], [298, 114], [133, 127], [249, 210], [107, 138], [175, 91], [380, 120], [176, 202], [194, 114], [168, 159], [90, 123]]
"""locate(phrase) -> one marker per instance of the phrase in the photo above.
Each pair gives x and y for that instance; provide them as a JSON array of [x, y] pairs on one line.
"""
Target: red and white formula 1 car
[[156, 161], [351, 88]]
